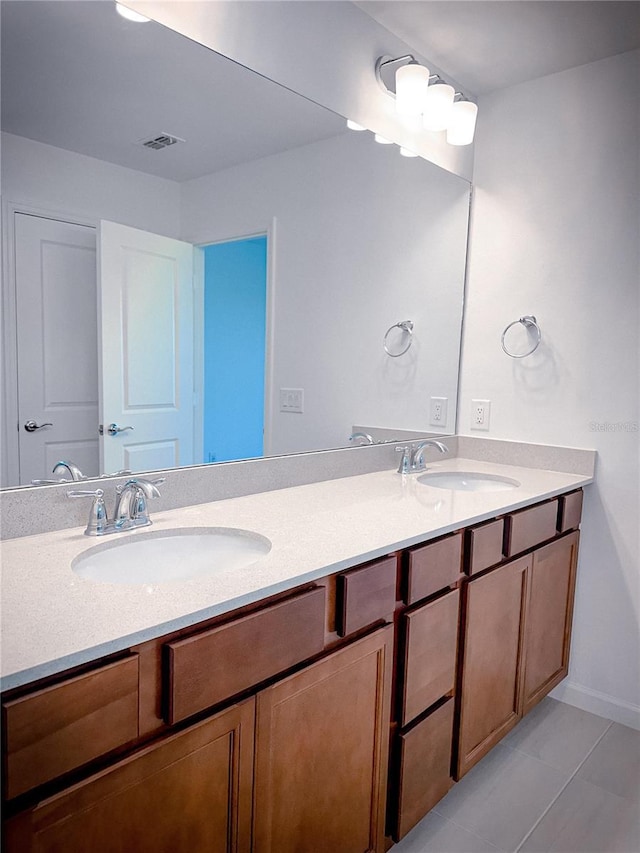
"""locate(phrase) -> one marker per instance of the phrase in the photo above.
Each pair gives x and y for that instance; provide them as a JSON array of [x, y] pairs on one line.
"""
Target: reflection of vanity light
[[382, 139], [406, 153], [353, 125], [130, 15]]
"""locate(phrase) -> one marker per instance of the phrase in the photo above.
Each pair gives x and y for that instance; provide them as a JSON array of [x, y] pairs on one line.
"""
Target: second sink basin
[[467, 481], [171, 555]]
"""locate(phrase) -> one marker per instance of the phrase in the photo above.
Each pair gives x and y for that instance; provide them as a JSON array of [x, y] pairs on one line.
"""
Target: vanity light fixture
[[130, 15], [382, 139], [353, 125], [420, 94], [407, 153], [462, 123]]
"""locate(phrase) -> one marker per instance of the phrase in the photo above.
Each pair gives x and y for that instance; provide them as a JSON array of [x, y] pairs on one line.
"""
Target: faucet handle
[[405, 460], [98, 519]]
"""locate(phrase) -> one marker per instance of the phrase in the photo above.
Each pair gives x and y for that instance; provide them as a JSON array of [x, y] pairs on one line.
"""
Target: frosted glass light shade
[[130, 15], [411, 85], [462, 124], [353, 125], [407, 153], [438, 104], [382, 139]]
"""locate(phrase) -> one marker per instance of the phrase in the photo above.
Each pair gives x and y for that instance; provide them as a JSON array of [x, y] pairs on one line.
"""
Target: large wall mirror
[[204, 265]]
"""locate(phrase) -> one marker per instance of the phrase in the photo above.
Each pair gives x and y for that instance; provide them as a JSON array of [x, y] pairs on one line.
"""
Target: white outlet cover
[[480, 414], [438, 411]]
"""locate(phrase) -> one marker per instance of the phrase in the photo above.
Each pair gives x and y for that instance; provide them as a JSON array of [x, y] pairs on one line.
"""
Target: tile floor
[[563, 780]]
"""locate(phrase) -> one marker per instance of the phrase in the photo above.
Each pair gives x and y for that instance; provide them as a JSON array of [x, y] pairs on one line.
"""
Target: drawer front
[[424, 767], [433, 567], [529, 527], [59, 728], [365, 596], [484, 546], [570, 511], [213, 666], [430, 653]]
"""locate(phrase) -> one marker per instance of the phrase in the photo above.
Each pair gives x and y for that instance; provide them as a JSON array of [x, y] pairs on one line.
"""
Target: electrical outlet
[[480, 414], [292, 400], [438, 411]]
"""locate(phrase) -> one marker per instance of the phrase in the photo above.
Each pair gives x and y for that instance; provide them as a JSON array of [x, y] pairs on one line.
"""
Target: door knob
[[114, 429], [32, 426]]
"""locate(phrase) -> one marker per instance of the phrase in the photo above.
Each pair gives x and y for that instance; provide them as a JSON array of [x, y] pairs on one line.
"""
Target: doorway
[[235, 309]]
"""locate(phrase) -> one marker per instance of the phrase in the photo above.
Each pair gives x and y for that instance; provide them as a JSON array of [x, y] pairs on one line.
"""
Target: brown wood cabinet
[[549, 617], [188, 793], [490, 692], [517, 628], [325, 787], [293, 756]]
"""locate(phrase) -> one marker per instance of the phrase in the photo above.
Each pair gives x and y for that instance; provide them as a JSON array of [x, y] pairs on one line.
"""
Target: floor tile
[[615, 763], [435, 834], [503, 796], [587, 819], [558, 734]]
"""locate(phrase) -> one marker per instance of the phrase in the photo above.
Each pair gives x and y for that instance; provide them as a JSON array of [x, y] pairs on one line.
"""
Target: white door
[[55, 267], [146, 311]]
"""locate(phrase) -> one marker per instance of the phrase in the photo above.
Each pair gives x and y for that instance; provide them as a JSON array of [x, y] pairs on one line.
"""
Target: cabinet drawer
[[212, 666], [529, 527], [570, 511], [424, 765], [430, 652], [433, 567], [59, 728], [484, 545], [365, 596]]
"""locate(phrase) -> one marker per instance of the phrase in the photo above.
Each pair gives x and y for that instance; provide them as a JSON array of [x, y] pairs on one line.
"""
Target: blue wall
[[234, 343]]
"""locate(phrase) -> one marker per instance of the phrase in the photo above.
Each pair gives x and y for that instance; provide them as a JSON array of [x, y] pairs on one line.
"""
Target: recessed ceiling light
[[130, 15]]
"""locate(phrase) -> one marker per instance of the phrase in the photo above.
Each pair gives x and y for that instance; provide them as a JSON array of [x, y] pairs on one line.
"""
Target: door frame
[[232, 236], [9, 463]]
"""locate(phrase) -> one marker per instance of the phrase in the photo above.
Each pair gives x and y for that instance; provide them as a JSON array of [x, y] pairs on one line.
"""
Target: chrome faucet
[[364, 435], [131, 503], [413, 457], [131, 507], [74, 472]]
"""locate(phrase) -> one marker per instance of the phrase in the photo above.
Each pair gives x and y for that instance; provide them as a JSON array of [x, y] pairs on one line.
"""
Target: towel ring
[[528, 321], [406, 326]]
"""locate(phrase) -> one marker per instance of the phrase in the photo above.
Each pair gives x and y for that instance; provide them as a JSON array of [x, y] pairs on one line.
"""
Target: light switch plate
[[292, 400]]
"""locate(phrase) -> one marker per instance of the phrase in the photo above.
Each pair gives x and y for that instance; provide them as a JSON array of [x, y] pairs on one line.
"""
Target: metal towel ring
[[406, 326], [528, 321]]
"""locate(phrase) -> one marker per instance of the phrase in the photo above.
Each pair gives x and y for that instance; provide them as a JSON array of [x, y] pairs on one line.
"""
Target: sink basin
[[467, 481], [171, 555]]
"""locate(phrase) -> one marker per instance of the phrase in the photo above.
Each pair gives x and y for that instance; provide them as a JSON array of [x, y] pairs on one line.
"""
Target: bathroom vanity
[[328, 704]]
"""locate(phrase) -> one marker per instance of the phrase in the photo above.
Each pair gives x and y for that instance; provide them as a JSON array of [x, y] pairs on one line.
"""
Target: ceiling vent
[[163, 140]]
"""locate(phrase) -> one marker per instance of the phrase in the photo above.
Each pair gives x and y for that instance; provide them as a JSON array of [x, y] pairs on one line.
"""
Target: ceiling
[[490, 44], [78, 76]]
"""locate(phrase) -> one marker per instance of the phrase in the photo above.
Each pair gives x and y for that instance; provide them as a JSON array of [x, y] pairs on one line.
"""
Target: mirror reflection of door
[[55, 270], [180, 347], [235, 285]]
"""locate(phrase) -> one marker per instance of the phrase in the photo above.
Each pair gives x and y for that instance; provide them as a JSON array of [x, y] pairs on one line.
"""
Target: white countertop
[[53, 620]]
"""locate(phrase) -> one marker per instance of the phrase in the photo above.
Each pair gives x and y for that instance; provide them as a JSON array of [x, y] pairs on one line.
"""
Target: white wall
[[555, 233], [364, 238], [62, 181], [324, 51]]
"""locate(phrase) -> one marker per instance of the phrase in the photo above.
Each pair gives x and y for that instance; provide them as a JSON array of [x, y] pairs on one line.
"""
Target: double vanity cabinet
[[330, 717]]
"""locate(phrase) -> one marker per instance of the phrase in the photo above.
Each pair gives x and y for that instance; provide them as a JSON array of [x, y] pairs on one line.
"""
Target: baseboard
[[597, 703]]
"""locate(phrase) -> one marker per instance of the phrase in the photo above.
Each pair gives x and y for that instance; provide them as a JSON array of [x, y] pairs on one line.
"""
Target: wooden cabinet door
[[322, 740], [549, 615], [490, 692], [189, 793]]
